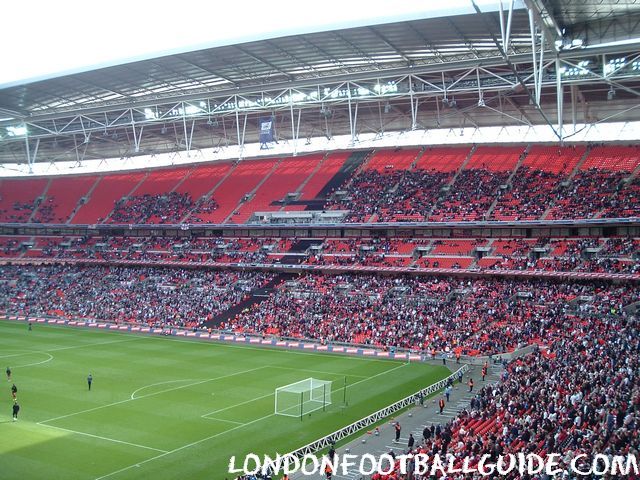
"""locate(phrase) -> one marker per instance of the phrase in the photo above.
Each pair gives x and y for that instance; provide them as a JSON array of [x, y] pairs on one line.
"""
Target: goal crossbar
[[302, 397]]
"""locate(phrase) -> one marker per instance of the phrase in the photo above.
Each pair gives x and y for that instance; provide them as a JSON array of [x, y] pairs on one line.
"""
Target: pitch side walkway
[[414, 420]]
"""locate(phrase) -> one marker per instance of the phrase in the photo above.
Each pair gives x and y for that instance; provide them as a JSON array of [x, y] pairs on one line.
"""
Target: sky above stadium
[[44, 39]]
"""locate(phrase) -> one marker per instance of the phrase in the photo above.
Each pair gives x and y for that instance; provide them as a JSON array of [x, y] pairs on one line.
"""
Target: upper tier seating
[[403, 185], [286, 178], [391, 160], [18, 198], [109, 190], [328, 168]]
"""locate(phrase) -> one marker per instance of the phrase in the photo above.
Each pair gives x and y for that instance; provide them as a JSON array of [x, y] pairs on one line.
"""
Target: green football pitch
[[169, 408]]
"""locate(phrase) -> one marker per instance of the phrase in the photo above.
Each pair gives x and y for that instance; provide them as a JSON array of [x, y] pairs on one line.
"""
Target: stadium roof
[[354, 51], [475, 65]]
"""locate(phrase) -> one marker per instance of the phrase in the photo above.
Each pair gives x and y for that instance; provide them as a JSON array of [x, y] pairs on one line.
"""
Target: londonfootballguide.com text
[[422, 464]]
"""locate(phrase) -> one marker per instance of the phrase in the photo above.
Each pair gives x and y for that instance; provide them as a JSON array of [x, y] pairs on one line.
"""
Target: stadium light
[[17, 131], [580, 69], [150, 114], [614, 65]]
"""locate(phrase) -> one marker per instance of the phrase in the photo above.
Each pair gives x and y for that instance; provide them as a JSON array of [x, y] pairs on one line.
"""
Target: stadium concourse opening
[[419, 235]]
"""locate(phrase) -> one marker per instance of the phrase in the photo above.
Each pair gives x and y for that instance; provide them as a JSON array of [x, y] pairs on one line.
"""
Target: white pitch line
[[29, 352], [151, 394], [319, 371], [96, 344], [373, 376], [46, 352], [36, 363], [25, 352], [223, 343], [206, 415], [221, 433], [133, 395], [184, 447], [103, 438], [364, 379], [223, 420]]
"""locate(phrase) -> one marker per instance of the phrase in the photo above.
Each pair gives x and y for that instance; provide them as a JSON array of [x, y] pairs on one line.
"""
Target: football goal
[[303, 397]]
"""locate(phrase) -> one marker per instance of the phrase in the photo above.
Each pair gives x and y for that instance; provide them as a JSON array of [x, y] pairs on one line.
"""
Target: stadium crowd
[[390, 196], [166, 208], [581, 396], [148, 296], [429, 314], [205, 206], [482, 316], [605, 255], [528, 196], [481, 194]]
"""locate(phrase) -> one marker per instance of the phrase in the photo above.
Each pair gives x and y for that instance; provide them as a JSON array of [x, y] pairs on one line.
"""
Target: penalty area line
[[133, 395], [107, 439], [206, 415], [335, 374], [223, 420], [189, 445], [171, 452], [242, 372]]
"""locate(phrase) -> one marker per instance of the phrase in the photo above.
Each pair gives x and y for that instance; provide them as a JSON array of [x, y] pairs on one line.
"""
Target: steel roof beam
[[329, 58], [356, 49], [263, 61], [290, 55], [390, 45], [13, 113], [426, 41], [519, 77], [546, 22], [322, 81], [328, 80], [206, 70], [468, 43]]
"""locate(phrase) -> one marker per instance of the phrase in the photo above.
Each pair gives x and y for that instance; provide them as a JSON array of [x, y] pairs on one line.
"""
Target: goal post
[[303, 397]]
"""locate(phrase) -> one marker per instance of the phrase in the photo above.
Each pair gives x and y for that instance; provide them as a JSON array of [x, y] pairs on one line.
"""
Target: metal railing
[[381, 414]]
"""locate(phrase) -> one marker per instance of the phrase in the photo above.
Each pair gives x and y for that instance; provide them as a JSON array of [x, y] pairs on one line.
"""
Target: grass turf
[[168, 408]]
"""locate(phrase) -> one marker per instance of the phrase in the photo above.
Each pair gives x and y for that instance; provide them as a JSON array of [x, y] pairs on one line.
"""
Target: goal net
[[303, 397]]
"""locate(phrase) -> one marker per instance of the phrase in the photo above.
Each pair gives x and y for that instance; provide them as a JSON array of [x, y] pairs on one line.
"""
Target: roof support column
[[414, 108], [536, 84], [353, 115], [30, 158], [559, 100], [506, 32], [187, 144], [240, 137], [294, 133]]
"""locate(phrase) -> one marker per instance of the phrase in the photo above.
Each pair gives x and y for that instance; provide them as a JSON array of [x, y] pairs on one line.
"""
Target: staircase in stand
[[44, 199], [209, 193], [353, 164], [255, 189], [578, 166], [133, 190], [255, 297], [80, 203], [508, 182]]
